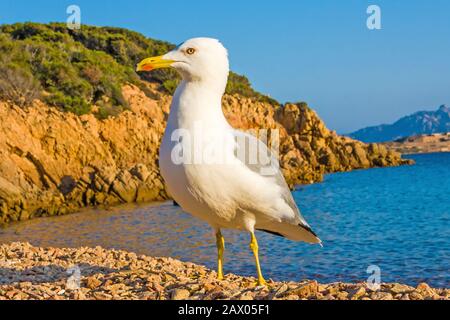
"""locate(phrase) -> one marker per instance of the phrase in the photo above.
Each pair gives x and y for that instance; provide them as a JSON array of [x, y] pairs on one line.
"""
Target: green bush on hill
[[75, 69], [17, 84]]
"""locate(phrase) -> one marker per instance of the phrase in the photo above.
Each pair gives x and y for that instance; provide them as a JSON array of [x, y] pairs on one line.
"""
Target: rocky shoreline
[[28, 272], [432, 143]]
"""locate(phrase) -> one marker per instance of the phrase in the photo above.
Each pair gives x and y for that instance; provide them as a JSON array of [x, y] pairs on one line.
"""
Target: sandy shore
[[28, 272]]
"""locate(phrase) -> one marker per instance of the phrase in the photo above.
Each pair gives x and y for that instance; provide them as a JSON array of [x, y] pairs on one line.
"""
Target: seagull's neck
[[198, 102]]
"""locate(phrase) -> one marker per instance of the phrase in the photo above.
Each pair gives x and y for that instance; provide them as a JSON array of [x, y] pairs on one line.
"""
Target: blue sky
[[320, 52]]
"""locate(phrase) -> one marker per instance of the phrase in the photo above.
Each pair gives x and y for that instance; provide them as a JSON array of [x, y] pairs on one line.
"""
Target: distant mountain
[[422, 122]]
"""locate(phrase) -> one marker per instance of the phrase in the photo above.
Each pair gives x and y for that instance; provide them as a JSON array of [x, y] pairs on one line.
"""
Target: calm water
[[395, 218]]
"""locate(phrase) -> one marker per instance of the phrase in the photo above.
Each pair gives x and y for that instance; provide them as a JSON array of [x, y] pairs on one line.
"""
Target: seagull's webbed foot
[[220, 243]]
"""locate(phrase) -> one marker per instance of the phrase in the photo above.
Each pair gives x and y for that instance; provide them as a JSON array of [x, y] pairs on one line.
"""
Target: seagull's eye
[[190, 51]]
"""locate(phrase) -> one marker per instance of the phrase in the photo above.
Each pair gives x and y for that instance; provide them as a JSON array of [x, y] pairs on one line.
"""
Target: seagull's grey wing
[[266, 163]]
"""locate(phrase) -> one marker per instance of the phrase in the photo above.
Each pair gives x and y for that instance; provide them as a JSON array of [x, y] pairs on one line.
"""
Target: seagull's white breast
[[197, 182]]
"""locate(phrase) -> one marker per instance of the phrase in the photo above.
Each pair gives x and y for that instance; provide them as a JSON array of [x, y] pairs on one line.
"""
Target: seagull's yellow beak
[[153, 63]]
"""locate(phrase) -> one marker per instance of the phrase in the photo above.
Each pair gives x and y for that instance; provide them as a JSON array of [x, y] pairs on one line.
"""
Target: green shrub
[[18, 86], [238, 84], [76, 105], [17, 83]]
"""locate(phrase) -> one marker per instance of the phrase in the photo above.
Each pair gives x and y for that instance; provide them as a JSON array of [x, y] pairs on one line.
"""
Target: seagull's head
[[197, 59]]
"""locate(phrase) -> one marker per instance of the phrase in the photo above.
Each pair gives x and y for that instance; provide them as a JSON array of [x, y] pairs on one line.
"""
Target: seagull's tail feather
[[293, 232]]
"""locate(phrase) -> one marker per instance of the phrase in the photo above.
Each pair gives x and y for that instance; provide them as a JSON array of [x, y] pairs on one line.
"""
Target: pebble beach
[[28, 272]]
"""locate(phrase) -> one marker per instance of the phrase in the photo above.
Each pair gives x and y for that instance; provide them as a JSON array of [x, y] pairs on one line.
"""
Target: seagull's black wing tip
[[307, 228], [272, 232]]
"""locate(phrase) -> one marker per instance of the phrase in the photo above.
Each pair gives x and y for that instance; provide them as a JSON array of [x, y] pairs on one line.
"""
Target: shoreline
[[70, 209], [428, 152], [28, 272], [421, 144]]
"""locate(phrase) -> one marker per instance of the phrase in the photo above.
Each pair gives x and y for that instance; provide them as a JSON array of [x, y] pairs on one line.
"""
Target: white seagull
[[238, 193]]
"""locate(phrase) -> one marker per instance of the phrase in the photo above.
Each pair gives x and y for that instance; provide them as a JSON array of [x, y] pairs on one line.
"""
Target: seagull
[[206, 164]]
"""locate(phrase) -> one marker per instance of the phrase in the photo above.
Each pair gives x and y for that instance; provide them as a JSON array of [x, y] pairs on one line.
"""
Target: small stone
[[282, 289], [21, 296], [108, 283], [423, 286], [208, 286], [332, 289], [305, 290], [381, 296], [425, 290], [342, 295], [79, 295], [415, 296], [358, 293], [180, 294], [93, 283], [247, 296], [400, 288], [102, 296], [10, 294], [24, 285], [322, 287]]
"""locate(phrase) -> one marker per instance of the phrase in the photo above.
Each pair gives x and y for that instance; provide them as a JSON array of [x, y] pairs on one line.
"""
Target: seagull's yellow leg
[[220, 242], [254, 247]]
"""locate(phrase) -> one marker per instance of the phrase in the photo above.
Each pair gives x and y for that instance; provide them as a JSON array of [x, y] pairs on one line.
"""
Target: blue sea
[[395, 219]]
